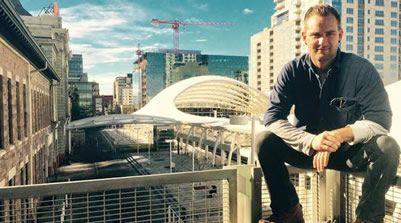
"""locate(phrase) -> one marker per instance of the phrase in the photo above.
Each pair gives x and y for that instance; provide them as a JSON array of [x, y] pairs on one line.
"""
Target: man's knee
[[265, 140], [389, 147]]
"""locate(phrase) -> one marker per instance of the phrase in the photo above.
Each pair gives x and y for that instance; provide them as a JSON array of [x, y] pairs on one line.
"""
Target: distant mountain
[[18, 7]]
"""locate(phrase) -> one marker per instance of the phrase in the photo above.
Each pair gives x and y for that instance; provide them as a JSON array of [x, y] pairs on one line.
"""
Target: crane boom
[[175, 25]]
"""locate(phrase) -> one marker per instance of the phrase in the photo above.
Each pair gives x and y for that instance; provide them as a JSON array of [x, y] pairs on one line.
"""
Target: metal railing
[[206, 196], [353, 192], [307, 186]]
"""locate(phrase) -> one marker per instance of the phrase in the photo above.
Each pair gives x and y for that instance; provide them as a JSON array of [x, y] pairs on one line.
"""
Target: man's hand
[[326, 141], [320, 160]]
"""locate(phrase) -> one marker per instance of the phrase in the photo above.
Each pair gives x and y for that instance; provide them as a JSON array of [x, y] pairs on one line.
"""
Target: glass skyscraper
[[75, 70], [166, 68]]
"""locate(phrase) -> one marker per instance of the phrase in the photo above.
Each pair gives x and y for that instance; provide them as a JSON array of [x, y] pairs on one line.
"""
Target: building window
[[379, 66], [394, 15], [349, 47], [282, 17], [393, 40], [34, 115], [379, 22], [360, 48], [380, 2], [350, 11], [349, 38], [350, 1], [25, 109], [379, 31], [18, 97], [393, 58], [379, 57], [394, 4], [10, 112], [1, 119], [379, 13], [350, 29], [393, 66], [350, 20], [394, 23], [379, 48], [394, 32], [379, 39], [393, 49]]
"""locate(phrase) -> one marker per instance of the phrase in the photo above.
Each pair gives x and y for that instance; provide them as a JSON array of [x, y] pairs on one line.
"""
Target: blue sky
[[107, 32]]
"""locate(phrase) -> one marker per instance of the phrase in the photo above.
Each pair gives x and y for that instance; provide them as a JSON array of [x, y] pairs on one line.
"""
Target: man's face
[[322, 36]]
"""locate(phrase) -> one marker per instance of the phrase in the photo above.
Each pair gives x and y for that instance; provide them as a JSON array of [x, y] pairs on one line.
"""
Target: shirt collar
[[335, 66]]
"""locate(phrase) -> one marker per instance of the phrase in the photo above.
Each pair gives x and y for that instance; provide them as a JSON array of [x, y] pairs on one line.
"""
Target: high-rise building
[[84, 90], [123, 94], [53, 40], [370, 30], [75, 71], [159, 70]]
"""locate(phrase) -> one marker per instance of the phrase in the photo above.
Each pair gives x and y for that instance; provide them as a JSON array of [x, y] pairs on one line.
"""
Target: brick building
[[53, 40], [27, 107]]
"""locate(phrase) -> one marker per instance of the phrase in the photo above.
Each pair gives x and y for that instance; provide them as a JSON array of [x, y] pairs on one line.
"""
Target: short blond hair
[[322, 10]]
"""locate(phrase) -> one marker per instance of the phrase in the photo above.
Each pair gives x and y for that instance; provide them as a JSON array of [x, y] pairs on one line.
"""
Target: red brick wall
[[23, 149]]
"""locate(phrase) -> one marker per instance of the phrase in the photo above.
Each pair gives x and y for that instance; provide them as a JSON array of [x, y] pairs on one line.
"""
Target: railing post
[[245, 194], [233, 199], [257, 194], [329, 196], [252, 140]]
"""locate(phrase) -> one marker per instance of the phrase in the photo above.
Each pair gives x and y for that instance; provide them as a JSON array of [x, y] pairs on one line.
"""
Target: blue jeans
[[379, 158]]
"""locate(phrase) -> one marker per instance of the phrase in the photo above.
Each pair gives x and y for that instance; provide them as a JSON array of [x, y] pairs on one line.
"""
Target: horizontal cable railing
[[207, 196]]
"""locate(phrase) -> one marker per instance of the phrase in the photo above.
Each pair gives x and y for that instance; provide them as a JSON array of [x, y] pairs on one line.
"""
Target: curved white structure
[[205, 92], [117, 119], [198, 92]]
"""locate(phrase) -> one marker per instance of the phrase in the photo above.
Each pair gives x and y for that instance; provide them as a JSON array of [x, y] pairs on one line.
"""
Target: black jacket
[[352, 91]]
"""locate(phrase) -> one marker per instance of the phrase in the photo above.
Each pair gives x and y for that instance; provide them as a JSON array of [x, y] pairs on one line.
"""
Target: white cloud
[[247, 11], [203, 7], [95, 55], [84, 20], [105, 82], [201, 40], [153, 30], [109, 33]]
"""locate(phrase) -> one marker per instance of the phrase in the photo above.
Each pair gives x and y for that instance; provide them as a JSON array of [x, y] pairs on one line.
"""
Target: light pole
[[171, 155], [137, 141], [149, 146]]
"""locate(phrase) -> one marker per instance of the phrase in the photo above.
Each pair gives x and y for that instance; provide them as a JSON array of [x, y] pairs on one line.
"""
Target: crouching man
[[342, 117]]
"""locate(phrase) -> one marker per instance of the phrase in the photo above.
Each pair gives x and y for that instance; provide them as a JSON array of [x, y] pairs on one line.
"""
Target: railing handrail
[[84, 186]]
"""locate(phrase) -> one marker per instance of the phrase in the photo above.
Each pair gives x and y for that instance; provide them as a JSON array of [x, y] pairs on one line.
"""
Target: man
[[342, 117]]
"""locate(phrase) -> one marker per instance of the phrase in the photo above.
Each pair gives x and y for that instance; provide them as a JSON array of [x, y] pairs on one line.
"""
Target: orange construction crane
[[175, 25]]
